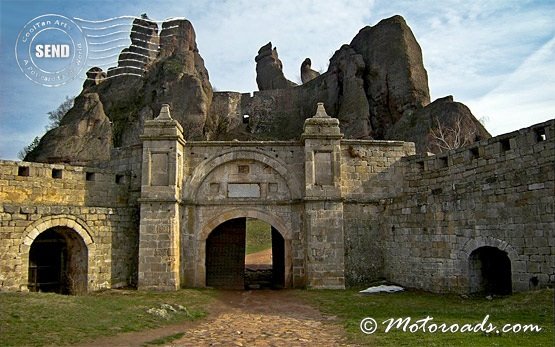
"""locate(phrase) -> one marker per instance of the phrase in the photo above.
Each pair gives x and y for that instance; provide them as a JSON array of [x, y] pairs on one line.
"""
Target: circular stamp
[[51, 50]]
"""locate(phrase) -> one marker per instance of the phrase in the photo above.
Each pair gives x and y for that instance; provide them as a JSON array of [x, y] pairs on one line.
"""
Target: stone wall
[[349, 211], [498, 193], [127, 160], [92, 202], [370, 174]]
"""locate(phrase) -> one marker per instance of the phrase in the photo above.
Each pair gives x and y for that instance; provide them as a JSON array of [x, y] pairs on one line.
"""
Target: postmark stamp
[[51, 50]]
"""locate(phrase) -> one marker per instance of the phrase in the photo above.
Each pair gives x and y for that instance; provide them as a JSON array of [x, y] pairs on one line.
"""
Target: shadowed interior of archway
[[490, 271], [58, 262], [229, 266]]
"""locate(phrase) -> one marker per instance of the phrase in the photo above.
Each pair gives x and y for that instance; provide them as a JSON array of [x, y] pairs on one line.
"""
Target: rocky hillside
[[376, 86]]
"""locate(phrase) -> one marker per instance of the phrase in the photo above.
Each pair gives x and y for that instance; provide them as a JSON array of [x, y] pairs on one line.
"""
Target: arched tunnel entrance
[[234, 262], [490, 271], [58, 262]]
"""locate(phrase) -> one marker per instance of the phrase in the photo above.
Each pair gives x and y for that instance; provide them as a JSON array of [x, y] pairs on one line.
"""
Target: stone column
[[159, 246], [323, 220]]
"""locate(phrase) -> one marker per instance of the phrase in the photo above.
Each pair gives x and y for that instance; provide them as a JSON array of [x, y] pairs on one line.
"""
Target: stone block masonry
[[344, 212], [93, 203], [159, 255], [498, 193]]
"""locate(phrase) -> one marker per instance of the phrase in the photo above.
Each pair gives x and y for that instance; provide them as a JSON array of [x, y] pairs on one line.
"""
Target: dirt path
[[247, 318], [263, 258]]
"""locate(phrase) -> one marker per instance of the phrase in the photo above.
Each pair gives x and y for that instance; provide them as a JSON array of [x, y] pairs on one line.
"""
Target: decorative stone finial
[[321, 111], [321, 126], [164, 113]]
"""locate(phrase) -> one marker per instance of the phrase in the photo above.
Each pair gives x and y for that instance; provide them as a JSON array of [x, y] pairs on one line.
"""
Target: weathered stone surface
[[346, 96], [375, 86], [179, 78], [175, 75], [396, 81], [279, 114], [85, 134], [225, 119], [95, 76], [307, 73], [416, 126], [348, 211], [142, 51], [269, 69], [86, 201], [370, 85]]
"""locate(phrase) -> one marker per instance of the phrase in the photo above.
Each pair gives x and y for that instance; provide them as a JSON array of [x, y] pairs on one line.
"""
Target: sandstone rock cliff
[[445, 113], [307, 73], [269, 69], [395, 79], [371, 84], [146, 77], [84, 135], [376, 86]]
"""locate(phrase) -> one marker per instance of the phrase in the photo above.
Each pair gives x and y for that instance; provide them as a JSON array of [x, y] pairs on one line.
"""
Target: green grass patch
[[36, 319], [259, 236], [523, 308]]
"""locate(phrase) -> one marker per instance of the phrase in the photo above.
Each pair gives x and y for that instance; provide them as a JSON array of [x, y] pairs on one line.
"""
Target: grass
[[36, 319], [524, 308], [259, 236]]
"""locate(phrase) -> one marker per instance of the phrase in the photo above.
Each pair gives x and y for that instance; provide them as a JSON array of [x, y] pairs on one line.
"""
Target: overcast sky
[[497, 57]]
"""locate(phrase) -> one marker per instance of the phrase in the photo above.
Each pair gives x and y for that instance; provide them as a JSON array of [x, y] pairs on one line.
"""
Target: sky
[[496, 57]]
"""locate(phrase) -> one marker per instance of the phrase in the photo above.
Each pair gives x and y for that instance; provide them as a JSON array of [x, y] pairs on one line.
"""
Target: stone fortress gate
[[171, 213]]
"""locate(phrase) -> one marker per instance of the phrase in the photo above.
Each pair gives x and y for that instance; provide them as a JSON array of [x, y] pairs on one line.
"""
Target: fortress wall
[[363, 243], [128, 160], [35, 183], [32, 201], [369, 174], [274, 114], [497, 193]]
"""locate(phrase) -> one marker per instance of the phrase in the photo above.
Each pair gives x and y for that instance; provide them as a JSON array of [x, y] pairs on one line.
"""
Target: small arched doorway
[[58, 262], [226, 258], [490, 271]]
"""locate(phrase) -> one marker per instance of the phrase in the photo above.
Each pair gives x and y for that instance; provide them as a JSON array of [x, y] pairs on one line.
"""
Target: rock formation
[[84, 135], [269, 69], [145, 78], [446, 113], [376, 86], [95, 76], [395, 77], [370, 85], [307, 74], [142, 51]]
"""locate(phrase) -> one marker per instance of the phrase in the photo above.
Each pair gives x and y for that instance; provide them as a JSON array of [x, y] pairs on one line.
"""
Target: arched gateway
[[195, 198], [225, 258], [58, 255]]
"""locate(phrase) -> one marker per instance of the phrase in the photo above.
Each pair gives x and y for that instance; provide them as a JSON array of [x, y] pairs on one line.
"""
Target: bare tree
[[23, 153], [463, 132], [56, 116]]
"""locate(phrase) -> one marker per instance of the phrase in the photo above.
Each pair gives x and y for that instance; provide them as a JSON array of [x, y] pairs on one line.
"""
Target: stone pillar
[[323, 221], [159, 246]]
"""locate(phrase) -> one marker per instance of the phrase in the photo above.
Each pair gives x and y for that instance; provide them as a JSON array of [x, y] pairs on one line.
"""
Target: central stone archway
[[226, 265], [222, 250]]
